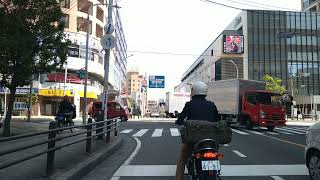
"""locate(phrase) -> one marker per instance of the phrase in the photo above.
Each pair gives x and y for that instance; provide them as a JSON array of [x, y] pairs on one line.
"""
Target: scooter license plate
[[211, 165]]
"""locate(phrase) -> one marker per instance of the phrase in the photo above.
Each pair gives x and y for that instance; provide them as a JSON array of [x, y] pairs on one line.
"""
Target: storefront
[[49, 100]]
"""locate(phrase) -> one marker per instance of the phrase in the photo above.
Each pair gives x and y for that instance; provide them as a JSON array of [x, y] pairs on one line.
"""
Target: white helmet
[[199, 88]]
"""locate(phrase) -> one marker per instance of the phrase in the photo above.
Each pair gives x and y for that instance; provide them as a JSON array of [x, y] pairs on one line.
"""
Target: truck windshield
[[269, 99]]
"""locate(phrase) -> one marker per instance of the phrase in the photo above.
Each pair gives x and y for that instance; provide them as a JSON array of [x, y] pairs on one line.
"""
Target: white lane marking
[[239, 153], [140, 133], [239, 132], [290, 131], [126, 131], [273, 133], [174, 132], [255, 132], [157, 133], [276, 177], [226, 170], [134, 153]]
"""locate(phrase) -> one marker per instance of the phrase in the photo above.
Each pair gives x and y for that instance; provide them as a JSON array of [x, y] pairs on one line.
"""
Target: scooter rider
[[66, 107], [196, 109]]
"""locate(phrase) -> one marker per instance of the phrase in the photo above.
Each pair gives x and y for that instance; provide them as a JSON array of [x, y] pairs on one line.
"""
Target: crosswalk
[[174, 132]]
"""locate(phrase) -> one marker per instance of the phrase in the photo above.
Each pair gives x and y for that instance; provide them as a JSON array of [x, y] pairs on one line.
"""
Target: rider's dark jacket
[[198, 109], [65, 107]]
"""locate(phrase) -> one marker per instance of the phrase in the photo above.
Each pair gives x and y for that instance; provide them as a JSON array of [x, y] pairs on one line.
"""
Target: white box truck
[[175, 101]]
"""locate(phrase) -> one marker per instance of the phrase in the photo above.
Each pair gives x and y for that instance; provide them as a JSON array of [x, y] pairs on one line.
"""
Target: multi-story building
[[310, 5], [282, 44], [137, 89], [53, 86]]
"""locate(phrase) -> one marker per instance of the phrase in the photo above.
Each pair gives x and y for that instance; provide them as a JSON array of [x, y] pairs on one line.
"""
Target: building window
[[65, 4], [82, 24], [99, 31], [211, 52], [85, 6], [100, 14], [65, 19]]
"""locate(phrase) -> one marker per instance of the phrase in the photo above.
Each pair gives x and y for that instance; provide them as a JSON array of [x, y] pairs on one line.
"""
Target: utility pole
[[65, 79], [84, 106], [30, 99], [106, 66]]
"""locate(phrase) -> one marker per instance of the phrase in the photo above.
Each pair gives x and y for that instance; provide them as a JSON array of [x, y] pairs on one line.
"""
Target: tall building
[[282, 44], [310, 5], [53, 86], [137, 89]]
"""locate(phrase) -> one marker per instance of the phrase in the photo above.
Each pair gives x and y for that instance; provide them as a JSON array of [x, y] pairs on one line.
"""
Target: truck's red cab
[[263, 108], [114, 110]]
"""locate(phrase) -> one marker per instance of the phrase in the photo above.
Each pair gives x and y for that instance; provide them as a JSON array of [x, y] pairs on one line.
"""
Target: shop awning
[[90, 94], [55, 92]]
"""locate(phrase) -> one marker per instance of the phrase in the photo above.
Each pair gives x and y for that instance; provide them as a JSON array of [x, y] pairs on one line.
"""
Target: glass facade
[[285, 45]]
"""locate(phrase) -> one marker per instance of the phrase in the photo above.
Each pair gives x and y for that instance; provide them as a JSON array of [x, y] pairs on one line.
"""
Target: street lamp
[[236, 67]]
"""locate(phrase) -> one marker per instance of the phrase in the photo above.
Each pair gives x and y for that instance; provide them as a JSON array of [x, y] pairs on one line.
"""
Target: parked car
[[312, 151], [114, 110]]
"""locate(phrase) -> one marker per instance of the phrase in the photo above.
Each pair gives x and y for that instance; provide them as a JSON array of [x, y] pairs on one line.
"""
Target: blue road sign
[[156, 81]]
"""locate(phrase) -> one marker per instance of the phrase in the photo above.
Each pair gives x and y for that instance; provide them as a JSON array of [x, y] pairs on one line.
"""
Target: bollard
[[50, 155], [99, 119], [108, 131], [89, 134], [115, 128]]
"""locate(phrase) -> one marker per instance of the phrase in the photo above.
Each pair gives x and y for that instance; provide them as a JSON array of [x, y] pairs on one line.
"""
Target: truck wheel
[[270, 128], [249, 124]]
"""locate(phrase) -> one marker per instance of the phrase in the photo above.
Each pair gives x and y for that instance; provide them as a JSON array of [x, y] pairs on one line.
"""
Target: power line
[[208, 1], [245, 4], [251, 10], [270, 5]]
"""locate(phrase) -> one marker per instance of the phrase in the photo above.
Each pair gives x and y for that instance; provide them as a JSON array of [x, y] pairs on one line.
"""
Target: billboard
[[156, 81], [233, 44]]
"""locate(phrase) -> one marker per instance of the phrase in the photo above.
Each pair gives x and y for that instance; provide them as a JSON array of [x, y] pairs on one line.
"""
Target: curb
[[83, 168]]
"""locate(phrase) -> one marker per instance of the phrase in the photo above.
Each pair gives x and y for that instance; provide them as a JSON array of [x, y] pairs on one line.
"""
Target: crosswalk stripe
[[126, 131], [290, 131], [255, 132], [239, 132], [295, 129], [227, 170], [283, 132], [140, 133], [239, 153], [273, 133], [174, 132], [157, 133], [276, 178]]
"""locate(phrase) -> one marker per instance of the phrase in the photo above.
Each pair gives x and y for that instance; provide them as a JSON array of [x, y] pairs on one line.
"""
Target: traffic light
[[82, 74]]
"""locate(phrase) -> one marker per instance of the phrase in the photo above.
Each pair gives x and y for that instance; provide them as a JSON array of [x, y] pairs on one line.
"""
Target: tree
[[32, 41], [274, 84]]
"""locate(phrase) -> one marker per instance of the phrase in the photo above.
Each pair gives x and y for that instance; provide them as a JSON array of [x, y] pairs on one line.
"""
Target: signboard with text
[[156, 81]]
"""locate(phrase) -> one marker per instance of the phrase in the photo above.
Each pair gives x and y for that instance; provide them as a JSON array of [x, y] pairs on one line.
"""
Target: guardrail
[[101, 128]]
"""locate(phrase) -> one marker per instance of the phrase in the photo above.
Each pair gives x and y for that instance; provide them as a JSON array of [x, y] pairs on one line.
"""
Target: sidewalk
[[69, 161], [301, 122]]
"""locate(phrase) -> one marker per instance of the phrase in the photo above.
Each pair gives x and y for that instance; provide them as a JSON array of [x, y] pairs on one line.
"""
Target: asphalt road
[[150, 150]]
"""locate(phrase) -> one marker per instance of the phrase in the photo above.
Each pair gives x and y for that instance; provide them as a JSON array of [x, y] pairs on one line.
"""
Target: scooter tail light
[[211, 155]]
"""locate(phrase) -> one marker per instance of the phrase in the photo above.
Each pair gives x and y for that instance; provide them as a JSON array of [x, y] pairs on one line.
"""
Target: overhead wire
[[270, 5]]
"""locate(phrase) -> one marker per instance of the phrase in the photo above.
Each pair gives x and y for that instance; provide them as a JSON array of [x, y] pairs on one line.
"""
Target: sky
[[177, 27]]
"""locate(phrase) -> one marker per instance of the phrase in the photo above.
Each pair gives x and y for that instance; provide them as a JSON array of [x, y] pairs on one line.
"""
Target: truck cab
[[262, 108], [115, 110]]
